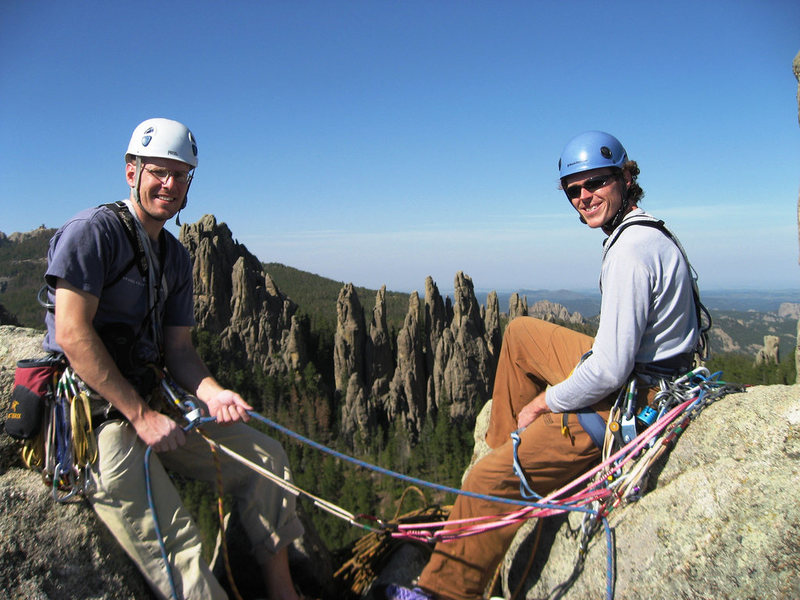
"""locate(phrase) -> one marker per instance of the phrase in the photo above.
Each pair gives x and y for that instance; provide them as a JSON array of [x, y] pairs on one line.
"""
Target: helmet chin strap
[[138, 177], [183, 205], [614, 222]]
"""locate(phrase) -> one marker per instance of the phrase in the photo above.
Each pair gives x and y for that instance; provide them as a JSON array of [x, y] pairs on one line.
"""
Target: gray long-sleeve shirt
[[647, 314]]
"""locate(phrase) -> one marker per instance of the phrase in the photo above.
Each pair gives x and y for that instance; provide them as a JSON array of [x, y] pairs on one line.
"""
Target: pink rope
[[475, 525]]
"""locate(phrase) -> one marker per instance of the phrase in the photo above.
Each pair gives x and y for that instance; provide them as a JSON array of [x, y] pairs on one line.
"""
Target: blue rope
[[609, 560], [414, 480], [152, 504], [371, 467]]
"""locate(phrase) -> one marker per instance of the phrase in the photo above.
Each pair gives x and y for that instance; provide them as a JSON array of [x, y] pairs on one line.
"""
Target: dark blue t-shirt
[[91, 250]]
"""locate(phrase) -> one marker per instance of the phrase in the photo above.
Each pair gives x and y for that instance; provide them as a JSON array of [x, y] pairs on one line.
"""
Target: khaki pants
[[534, 354], [267, 512]]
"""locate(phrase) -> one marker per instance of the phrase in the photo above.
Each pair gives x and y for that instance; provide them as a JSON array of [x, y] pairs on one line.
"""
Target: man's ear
[[130, 174], [627, 177]]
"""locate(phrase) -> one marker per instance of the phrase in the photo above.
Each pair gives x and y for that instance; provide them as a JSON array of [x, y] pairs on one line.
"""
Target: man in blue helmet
[[121, 286], [555, 384]]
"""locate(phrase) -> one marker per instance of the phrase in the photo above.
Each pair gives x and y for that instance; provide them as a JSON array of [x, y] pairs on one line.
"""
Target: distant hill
[[23, 261], [749, 300], [745, 330], [316, 296], [588, 303]]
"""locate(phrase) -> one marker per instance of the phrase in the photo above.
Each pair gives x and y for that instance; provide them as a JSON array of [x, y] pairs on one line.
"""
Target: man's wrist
[[136, 412]]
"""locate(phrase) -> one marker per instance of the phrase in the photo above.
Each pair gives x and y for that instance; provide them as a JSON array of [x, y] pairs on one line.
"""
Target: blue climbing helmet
[[591, 150], [595, 150]]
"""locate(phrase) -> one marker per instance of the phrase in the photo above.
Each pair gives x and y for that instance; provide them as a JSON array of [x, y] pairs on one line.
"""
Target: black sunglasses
[[590, 185]]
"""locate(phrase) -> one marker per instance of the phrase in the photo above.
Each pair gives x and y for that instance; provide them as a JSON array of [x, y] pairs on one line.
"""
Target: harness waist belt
[[674, 365]]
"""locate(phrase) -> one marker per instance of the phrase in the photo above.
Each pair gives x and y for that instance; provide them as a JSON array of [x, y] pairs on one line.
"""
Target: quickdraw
[[68, 445]]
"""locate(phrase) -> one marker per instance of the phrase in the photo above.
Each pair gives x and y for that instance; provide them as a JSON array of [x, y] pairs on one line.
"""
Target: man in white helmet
[[124, 310]]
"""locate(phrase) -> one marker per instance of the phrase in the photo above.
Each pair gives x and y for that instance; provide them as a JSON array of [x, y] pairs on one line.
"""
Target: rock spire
[[235, 299]]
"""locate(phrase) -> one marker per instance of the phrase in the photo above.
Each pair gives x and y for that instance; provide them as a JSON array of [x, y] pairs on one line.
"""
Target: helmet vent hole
[[605, 151]]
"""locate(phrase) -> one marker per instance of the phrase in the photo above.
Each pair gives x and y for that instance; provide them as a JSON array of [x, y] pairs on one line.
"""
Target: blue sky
[[381, 142]]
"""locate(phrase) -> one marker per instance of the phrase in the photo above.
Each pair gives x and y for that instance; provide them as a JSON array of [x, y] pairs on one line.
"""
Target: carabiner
[[524, 489]]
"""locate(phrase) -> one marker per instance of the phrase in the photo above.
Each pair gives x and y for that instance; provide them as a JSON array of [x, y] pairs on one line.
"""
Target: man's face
[[596, 194], [163, 187]]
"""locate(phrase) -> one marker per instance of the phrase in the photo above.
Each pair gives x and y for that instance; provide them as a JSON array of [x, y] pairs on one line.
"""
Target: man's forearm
[[191, 373], [91, 361], [189, 370]]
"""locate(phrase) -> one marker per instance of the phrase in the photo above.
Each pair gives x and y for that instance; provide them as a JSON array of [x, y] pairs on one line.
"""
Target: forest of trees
[[22, 267], [740, 368], [305, 405]]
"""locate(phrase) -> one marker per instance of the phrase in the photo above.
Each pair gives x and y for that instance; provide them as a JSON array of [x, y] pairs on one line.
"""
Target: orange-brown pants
[[534, 354]]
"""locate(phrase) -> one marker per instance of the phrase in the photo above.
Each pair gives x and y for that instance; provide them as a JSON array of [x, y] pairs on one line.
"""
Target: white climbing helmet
[[163, 138]]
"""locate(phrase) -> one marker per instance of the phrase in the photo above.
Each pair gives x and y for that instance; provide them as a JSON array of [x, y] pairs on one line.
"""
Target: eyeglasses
[[163, 175], [590, 185]]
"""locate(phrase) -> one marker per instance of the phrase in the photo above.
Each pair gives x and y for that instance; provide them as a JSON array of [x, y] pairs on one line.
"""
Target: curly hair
[[635, 192]]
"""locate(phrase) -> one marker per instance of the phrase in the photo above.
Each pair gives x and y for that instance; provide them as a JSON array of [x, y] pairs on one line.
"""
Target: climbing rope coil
[[70, 447], [371, 551]]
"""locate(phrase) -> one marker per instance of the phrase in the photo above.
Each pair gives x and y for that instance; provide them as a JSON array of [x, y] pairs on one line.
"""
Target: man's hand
[[532, 411], [158, 431], [226, 406]]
